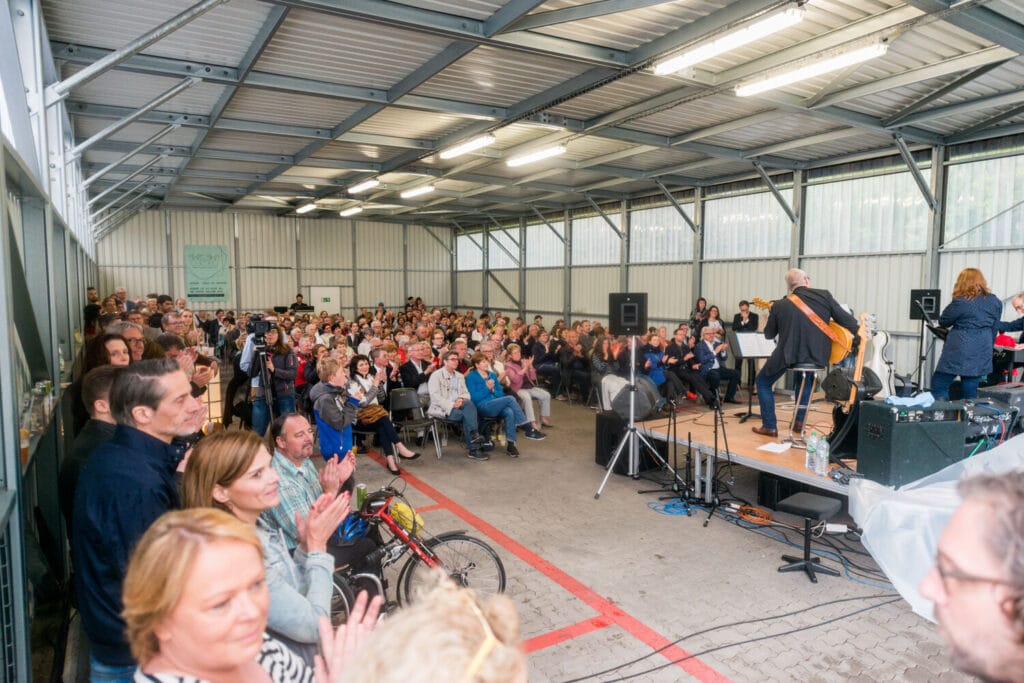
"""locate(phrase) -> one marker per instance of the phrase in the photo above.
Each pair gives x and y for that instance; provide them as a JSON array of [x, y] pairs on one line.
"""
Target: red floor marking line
[[603, 606], [563, 634], [429, 508]]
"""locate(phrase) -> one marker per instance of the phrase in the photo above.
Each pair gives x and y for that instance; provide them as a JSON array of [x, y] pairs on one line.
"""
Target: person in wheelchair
[[300, 485]]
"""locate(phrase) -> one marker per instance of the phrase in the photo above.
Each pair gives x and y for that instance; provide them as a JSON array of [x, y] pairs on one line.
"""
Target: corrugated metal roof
[[323, 47], [413, 124], [126, 89], [290, 108]]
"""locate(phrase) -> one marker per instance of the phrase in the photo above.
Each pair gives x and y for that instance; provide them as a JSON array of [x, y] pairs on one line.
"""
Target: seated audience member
[[368, 387], [461, 349], [546, 363], [153, 405], [199, 376], [300, 485], [575, 370], [450, 400], [491, 401], [334, 408], [490, 349], [446, 636], [714, 321], [655, 359], [381, 363], [231, 471], [602, 360], [712, 354], [189, 620], [416, 372], [99, 428], [977, 582], [133, 335], [103, 349], [523, 383], [682, 362]]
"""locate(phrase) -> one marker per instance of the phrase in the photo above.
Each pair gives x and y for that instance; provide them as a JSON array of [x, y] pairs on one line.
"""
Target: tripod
[[712, 495], [631, 437], [265, 379], [681, 488]]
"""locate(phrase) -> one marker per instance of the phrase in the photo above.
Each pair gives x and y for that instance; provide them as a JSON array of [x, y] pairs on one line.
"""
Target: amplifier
[[898, 444], [1010, 394]]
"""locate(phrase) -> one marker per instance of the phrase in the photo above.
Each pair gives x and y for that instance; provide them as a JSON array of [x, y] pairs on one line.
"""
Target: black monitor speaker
[[924, 301], [627, 313]]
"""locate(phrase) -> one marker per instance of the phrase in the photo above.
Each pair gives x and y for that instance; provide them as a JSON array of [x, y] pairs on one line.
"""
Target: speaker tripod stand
[[682, 488], [632, 438]]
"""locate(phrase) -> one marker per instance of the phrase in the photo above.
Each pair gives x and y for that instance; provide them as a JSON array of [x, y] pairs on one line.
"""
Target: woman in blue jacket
[[971, 317], [490, 401]]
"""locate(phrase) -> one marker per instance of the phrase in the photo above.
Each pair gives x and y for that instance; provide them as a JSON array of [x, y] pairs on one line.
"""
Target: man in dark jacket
[[799, 341], [127, 483]]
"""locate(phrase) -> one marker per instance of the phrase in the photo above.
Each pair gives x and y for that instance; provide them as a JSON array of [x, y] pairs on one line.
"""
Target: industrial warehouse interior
[[254, 197]]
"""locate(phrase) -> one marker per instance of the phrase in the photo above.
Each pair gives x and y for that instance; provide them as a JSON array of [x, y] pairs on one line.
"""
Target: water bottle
[[822, 467], [810, 459]]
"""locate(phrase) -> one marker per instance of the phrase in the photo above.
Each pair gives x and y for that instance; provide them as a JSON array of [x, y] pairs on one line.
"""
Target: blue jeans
[[507, 408], [285, 404], [942, 380], [469, 419], [766, 398], [105, 673], [260, 415]]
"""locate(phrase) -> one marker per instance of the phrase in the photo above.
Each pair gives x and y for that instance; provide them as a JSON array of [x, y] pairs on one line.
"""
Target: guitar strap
[[814, 318]]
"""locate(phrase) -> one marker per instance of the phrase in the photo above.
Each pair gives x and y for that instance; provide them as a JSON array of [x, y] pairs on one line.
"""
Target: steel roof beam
[[939, 93], [598, 8], [1015, 129], [511, 12], [1011, 97], [807, 141], [127, 155], [990, 122], [981, 21]]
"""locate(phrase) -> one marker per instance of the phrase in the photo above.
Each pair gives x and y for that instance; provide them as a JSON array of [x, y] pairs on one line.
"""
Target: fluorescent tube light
[[364, 186], [468, 146], [818, 68], [306, 208], [545, 153], [732, 40], [417, 191], [351, 211]]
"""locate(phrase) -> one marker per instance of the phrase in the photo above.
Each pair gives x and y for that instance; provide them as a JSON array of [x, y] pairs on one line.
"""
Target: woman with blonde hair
[[971, 318], [231, 471], [189, 620]]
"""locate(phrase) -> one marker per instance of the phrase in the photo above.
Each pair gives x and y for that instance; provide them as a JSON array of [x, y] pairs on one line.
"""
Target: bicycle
[[468, 561]]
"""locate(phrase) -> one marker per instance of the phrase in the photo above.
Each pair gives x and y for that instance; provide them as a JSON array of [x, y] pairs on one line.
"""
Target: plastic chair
[[405, 400]]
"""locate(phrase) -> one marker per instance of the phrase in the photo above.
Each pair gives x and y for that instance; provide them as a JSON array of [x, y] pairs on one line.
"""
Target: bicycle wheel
[[468, 561], [341, 600]]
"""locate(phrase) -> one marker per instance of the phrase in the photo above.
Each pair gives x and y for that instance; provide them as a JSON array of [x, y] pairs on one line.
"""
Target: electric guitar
[[866, 327], [840, 349], [879, 364]]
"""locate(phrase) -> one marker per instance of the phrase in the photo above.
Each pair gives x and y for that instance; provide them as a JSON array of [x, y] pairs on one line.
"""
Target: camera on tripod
[[258, 328]]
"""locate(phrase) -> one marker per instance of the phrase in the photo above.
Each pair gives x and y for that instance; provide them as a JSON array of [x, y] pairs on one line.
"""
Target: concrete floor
[[600, 583]]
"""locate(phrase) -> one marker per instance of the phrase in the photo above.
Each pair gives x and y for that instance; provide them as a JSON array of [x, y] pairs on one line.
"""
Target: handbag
[[370, 414]]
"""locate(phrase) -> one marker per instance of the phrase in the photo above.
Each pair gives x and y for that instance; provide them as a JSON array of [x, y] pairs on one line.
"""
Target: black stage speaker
[[646, 399], [1011, 394], [627, 313], [897, 444], [609, 431], [929, 301]]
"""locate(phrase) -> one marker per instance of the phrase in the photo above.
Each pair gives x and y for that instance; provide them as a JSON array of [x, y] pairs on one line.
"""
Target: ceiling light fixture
[[306, 208], [468, 146], [351, 211], [539, 155], [417, 191], [364, 186], [757, 30], [817, 68]]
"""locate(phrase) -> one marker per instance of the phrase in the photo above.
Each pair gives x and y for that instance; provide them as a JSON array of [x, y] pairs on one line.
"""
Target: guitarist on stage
[[799, 341]]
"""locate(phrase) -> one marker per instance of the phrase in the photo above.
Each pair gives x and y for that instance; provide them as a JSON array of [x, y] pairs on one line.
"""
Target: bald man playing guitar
[[799, 322]]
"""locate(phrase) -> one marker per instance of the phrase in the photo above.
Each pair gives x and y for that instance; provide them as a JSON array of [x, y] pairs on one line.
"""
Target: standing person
[[282, 367], [491, 401], [698, 314], [800, 341], [977, 581], [128, 484], [746, 322], [972, 317]]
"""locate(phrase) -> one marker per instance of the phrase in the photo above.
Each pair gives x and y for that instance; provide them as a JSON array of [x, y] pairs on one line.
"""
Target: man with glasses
[[449, 400], [134, 335], [1003, 367], [977, 582]]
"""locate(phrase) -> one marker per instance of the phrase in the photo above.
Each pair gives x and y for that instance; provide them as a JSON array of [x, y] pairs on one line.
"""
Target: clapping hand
[[326, 513], [338, 646]]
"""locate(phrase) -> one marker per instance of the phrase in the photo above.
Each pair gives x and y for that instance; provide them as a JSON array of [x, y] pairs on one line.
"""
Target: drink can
[[360, 496]]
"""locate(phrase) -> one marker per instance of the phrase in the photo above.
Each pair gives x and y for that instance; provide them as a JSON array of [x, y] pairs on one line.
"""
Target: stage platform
[[698, 429]]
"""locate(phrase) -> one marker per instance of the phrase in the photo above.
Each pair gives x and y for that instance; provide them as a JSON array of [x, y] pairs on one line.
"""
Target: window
[[660, 235], [985, 203], [744, 226], [594, 243], [543, 248], [468, 254]]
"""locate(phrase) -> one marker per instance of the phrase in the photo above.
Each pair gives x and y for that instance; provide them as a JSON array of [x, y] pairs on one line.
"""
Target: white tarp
[[902, 527]]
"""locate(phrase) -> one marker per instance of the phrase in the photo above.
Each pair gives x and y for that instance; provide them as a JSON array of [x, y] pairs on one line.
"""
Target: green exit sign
[[326, 299]]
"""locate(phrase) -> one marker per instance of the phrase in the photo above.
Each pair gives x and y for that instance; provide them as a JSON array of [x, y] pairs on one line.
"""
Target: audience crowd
[[147, 473]]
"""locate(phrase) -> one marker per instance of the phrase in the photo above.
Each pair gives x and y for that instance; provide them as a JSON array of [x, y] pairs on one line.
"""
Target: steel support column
[[775, 193], [676, 206], [141, 146], [915, 172]]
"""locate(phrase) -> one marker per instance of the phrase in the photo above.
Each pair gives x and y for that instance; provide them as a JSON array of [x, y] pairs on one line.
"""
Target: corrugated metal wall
[[590, 288], [545, 289], [278, 257], [470, 289], [498, 300], [668, 289], [727, 282], [1002, 268]]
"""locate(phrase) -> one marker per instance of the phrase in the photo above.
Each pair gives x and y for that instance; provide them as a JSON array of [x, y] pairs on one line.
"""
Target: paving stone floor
[[601, 583]]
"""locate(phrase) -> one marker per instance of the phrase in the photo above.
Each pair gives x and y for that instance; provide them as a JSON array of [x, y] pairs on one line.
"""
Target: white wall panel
[[378, 246], [470, 290], [200, 227], [668, 289], [545, 289], [1002, 270], [425, 253], [379, 285], [264, 288], [266, 241], [138, 280], [325, 244], [435, 288], [139, 242], [590, 288], [497, 299], [334, 277], [726, 282]]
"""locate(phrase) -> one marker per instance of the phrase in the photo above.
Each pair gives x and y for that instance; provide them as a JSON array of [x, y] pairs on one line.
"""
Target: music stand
[[749, 346]]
